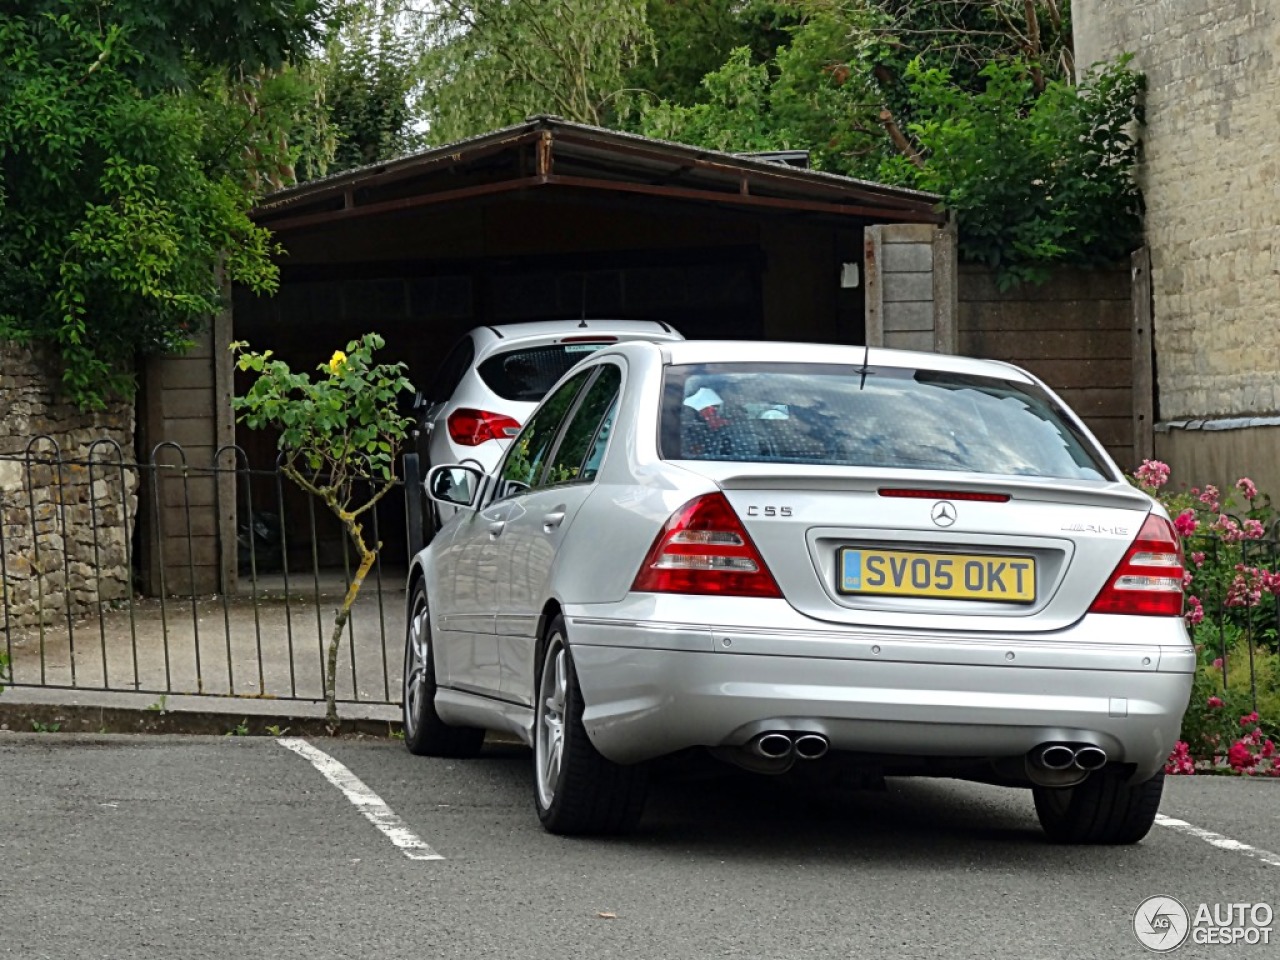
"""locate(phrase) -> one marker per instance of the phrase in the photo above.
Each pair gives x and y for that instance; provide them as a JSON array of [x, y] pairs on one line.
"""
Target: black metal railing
[[1236, 586], [173, 577]]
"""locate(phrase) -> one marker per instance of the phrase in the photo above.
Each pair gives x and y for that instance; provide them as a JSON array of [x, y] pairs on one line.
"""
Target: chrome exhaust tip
[[774, 746], [1056, 756], [811, 746], [1090, 758]]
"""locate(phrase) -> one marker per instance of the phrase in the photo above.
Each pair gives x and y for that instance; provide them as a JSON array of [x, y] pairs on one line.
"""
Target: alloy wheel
[[549, 738], [417, 650]]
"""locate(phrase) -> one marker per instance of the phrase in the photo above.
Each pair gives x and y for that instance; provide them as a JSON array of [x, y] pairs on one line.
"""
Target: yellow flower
[[336, 362]]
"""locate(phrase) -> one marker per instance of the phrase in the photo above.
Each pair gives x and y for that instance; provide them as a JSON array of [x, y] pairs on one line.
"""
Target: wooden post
[[871, 262], [224, 437], [1144, 393], [946, 291]]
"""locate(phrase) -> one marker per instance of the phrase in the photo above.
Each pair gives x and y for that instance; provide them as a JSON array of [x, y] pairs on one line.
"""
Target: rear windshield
[[528, 374], [869, 417]]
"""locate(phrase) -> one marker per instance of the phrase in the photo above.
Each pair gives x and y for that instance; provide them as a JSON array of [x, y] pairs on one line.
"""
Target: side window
[[452, 371], [528, 453], [580, 437], [594, 459]]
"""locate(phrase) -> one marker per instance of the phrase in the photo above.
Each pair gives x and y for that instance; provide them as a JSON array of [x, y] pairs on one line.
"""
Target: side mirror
[[455, 485]]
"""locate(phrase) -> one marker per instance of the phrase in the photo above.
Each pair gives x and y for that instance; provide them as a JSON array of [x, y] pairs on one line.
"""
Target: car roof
[[541, 329], [749, 351]]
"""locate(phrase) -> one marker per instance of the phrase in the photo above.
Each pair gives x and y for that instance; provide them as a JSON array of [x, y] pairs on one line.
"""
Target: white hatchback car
[[492, 379], [923, 564]]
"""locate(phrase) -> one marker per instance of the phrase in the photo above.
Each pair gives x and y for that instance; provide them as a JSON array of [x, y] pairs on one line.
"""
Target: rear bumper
[[652, 689]]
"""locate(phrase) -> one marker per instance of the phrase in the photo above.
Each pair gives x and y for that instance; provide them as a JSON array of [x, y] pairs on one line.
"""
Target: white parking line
[[365, 800], [1218, 840]]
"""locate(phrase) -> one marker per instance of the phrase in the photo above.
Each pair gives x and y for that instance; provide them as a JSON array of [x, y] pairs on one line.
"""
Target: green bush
[[1231, 588]]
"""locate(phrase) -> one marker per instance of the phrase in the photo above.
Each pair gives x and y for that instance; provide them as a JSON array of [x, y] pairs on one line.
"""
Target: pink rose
[[1180, 761], [1241, 758], [1185, 523], [1210, 497], [1153, 474], [1229, 529], [1248, 488], [1215, 703]]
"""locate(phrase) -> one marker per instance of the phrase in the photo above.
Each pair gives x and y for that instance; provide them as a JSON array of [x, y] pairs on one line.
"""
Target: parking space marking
[[365, 800], [1218, 840]]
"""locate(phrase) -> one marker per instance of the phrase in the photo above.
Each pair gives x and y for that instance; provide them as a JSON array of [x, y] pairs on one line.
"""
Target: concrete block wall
[[911, 287], [188, 544], [1073, 332]]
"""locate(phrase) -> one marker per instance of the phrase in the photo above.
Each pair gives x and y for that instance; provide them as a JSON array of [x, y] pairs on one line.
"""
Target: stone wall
[[65, 523], [1210, 174]]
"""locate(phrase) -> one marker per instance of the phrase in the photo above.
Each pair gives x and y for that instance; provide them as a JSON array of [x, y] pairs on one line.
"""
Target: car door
[[520, 472], [466, 559], [538, 522]]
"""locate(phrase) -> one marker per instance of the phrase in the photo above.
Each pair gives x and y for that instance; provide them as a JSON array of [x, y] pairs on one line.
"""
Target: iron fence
[[221, 578], [1234, 613], [172, 576]]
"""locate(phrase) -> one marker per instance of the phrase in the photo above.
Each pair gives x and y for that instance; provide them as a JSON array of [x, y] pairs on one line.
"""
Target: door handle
[[552, 520], [496, 528]]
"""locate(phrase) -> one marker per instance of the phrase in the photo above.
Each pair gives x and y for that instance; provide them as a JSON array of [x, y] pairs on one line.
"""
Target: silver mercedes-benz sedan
[[783, 554]]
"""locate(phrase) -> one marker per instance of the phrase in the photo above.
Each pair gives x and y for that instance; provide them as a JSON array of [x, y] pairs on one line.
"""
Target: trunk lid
[[913, 549]]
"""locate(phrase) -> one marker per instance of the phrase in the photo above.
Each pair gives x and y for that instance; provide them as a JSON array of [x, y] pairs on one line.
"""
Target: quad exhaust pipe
[[1090, 758], [772, 746], [1056, 756], [780, 746], [1064, 764], [811, 746]]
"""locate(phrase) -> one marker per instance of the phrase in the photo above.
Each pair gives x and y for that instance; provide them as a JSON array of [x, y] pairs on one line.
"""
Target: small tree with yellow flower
[[339, 436]]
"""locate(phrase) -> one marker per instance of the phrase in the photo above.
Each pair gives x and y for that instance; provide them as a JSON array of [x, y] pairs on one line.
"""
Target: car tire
[[1104, 809], [576, 790], [425, 734]]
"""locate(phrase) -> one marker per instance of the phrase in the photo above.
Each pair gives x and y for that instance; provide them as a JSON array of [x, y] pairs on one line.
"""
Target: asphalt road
[[115, 848]]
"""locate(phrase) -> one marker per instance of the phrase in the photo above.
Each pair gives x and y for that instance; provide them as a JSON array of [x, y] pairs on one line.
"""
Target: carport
[[551, 219]]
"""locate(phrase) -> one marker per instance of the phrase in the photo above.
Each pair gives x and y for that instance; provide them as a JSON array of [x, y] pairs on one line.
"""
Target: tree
[[368, 73], [972, 100], [123, 186], [693, 38], [339, 435], [806, 96], [491, 63], [1034, 178]]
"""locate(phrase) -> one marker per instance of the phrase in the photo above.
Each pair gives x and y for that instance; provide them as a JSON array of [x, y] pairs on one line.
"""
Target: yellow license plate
[[956, 576]]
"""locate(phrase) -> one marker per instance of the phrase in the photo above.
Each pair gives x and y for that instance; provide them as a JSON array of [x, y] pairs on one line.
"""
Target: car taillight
[[470, 428], [1148, 581], [705, 549]]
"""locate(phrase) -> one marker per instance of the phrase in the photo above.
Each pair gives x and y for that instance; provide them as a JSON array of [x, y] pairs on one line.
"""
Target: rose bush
[[1232, 581]]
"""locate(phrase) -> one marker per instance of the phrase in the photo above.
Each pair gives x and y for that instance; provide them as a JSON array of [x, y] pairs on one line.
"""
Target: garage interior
[[546, 219]]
